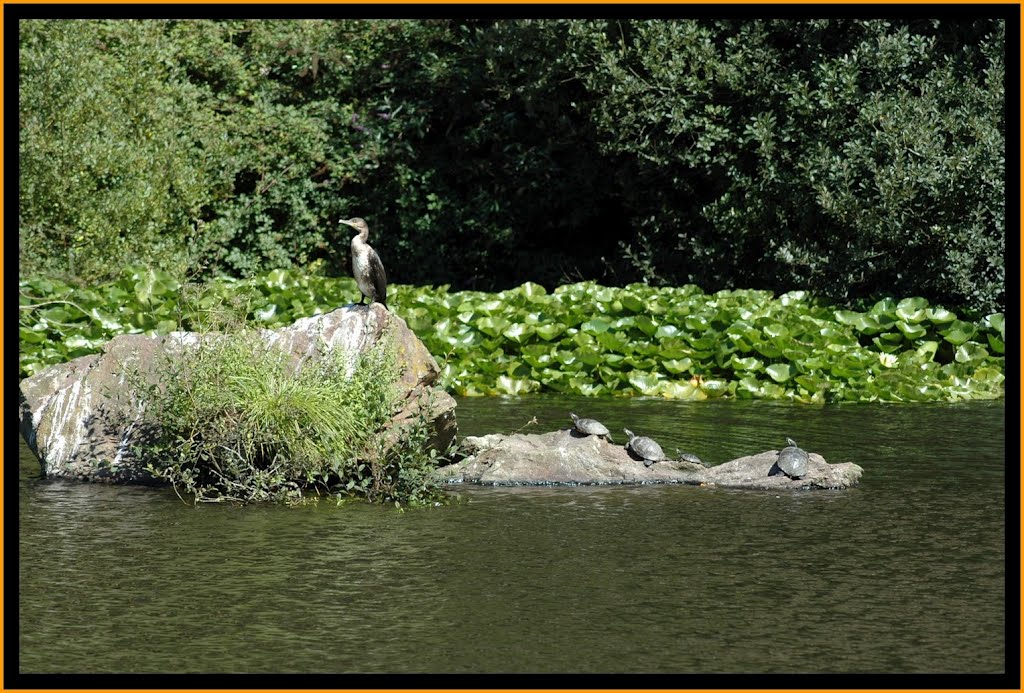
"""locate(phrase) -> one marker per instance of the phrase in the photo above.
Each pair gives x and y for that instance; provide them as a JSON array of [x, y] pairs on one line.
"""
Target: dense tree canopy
[[855, 158]]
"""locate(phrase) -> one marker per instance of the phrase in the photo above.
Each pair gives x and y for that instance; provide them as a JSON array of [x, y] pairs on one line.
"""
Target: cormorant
[[366, 265]]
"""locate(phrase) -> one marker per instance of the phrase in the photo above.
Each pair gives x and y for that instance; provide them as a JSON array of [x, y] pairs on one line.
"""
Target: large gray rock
[[752, 471], [81, 420], [562, 457]]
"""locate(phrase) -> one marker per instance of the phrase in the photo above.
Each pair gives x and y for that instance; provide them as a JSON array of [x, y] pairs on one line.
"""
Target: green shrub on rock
[[236, 424]]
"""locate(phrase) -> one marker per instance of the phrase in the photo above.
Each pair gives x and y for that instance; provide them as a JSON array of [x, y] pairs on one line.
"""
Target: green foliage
[[59, 322], [582, 338], [680, 343], [486, 152], [854, 158], [851, 158], [268, 148], [235, 423], [110, 163]]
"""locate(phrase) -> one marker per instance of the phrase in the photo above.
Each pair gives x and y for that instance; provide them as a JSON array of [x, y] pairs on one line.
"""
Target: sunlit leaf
[[995, 321], [958, 332], [666, 332], [27, 336], [887, 343], [911, 310], [278, 278], [703, 343], [970, 352], [632, 303], [847, 317], [749, 363], [911, 332], [492, 326], [940, 315], [676, 366], [927, 350], [886, 307], [58, 314], [779, 372], [549, 331], [679, 390], [647, 325], [716, 388], [612, 343], [595, 326], [645, 383], [696, 323], [531, 290], [517, 332]]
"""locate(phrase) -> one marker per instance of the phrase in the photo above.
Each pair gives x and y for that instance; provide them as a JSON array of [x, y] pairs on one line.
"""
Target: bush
[[236, 424], [854, 158], [110, 166]]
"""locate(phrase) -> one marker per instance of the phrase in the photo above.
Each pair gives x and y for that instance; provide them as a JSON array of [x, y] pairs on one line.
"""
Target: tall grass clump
[[234, 421]]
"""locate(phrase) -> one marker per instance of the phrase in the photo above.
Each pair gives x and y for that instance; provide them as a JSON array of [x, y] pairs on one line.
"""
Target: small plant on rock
[[236, 421]]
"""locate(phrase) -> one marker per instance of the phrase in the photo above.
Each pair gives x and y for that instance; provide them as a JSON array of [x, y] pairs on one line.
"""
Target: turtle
[[792, 460], [690, 457], [645, 448], [590, 427]]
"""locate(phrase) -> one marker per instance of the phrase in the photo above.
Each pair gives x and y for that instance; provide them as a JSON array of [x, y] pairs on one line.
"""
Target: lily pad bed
[[583, 338]]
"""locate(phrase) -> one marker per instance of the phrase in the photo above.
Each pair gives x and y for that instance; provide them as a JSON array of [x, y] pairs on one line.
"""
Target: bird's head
[[356, 223]]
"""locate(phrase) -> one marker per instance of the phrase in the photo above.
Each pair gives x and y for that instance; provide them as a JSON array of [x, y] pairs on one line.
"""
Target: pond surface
[[904, 573]]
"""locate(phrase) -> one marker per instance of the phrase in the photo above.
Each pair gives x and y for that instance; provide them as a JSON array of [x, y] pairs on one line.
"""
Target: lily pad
[[779, 372]]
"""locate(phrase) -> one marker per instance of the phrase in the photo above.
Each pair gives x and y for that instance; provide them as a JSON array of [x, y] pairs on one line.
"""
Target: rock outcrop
[[81, 419], [565, 457]]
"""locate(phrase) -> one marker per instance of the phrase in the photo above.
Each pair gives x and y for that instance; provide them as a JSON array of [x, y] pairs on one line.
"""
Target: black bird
[[366, 265]]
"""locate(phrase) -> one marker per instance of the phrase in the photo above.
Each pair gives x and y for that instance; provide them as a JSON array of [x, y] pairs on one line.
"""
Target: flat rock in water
[[81, 420], [559, 457], [563, 457], [753, 472]]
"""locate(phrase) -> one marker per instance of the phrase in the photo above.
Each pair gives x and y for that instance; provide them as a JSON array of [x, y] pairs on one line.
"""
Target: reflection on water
[[904, 573]]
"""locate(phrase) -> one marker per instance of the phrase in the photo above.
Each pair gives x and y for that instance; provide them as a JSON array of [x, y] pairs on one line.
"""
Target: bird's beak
[[346, 222]]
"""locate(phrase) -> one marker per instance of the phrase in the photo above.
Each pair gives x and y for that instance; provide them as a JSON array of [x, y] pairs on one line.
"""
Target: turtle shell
[[792, 460], [589, 427], [690, 457], [644, 447]]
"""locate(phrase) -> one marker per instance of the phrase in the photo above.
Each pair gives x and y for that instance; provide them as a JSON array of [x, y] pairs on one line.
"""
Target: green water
[[903, 574]]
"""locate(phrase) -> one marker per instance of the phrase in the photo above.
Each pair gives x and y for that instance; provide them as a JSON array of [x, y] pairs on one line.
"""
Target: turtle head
[[791, 443], [629, 433], [574, 417]]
